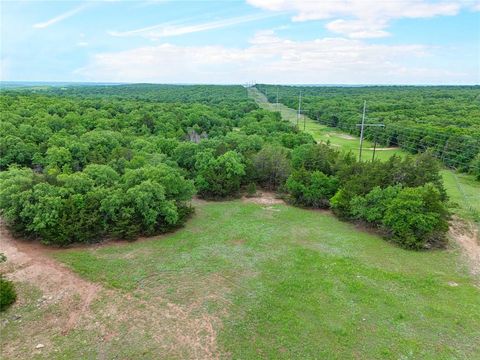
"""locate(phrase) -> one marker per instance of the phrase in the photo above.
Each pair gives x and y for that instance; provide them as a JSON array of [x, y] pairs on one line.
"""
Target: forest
[[442, 119], [85, 164]]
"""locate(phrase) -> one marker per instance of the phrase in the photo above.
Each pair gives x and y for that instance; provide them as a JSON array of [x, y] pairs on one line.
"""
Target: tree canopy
[[82, 164]]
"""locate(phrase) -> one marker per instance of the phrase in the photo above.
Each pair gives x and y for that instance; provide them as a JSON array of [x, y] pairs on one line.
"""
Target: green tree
[[219, 177], [373, 206], [475, 167], [417, 217], [58, 159], [16, 186], [272, 166], [102, 175], [312, 157], [313, 189]]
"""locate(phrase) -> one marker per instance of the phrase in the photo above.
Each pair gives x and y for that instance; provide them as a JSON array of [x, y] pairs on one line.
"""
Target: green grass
[[300, 284], [463, 190], [464, 193]]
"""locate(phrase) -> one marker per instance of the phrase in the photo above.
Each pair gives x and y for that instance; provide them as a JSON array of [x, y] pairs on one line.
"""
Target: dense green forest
[[85, 163], [206, 94], [444, 119]]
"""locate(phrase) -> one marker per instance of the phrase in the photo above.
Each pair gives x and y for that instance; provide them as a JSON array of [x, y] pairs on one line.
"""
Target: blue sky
[[270, 41]]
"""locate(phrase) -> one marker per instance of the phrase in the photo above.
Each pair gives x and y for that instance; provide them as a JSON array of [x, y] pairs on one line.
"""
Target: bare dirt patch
[[237, 241], [264, 198], [345, 136], [170, 309], [466, 234], [383, 149], [29, 262]]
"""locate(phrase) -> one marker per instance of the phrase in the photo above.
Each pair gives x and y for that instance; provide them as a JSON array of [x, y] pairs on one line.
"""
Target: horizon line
[[113, 83]]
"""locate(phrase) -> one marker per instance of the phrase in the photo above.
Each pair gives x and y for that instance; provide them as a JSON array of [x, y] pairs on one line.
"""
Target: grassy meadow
[[250, 281]]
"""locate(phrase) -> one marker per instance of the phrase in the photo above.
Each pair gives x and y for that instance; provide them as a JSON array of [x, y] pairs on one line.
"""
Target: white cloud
[[361, 18], [60, 17], [271, 59], [358, 29], [176, 28]]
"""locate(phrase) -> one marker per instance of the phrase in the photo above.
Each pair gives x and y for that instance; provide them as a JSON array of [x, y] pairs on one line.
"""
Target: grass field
[[463, 190], [464, 193], [246, 281]]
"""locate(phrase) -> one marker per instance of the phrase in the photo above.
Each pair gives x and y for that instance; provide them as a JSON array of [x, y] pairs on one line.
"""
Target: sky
[[235, 42]]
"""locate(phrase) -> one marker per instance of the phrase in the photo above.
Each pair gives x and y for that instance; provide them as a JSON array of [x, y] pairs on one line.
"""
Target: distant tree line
[[82, 168]]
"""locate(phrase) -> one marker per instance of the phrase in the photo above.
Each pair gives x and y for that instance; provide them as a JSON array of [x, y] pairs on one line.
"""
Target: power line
[[362, 127], [442, 146]]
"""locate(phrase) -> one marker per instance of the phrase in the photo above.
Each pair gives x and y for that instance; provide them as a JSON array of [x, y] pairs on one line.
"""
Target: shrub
[[313, 157], [219, 177], [7, 290], [313, 189], [8, 294], [417, 218], [372, 207], [272, 166], [293, 140], [340, 203]]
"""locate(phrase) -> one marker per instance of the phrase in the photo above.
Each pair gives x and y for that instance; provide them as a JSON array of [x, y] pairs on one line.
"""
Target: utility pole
[[374, 148], [362, 128], [299, 106]]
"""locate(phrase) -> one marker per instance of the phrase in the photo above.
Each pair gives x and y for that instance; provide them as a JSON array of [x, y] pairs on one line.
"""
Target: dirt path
[[264, 198], [65, 305], [384, 149], [29, 262], [467, 236]]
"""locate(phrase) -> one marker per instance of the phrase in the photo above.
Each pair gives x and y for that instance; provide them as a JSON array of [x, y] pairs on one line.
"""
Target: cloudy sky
[[268, 41]]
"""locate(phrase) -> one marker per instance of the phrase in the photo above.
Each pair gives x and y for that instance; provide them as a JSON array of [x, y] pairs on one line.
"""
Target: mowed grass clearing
[[276, 282], [464, 193]]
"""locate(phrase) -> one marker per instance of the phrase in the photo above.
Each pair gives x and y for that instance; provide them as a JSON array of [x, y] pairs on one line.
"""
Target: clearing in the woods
[[244, 279]]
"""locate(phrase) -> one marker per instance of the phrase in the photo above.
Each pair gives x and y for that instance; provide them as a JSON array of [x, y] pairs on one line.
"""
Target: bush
[[313, 157], [272, 166], [372, 207], [219, 177], [340, 203], [417, 218], [7, 291], [312, 189], [8, 294]]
